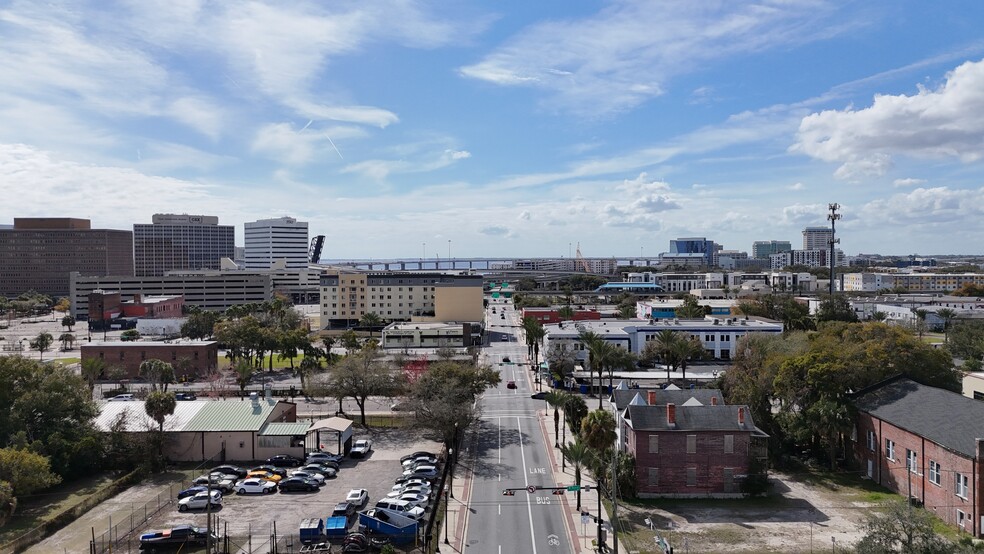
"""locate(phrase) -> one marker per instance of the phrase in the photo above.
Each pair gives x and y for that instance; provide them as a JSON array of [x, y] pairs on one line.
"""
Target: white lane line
[[500, 439], [500, 509], [526, 479]]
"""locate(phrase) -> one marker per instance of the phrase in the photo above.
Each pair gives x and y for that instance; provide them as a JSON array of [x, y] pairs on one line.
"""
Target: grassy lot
[[224, 363], [39, 508]]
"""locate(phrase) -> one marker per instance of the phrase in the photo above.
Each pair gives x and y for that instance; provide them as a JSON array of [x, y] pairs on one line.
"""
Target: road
[[510, 452]]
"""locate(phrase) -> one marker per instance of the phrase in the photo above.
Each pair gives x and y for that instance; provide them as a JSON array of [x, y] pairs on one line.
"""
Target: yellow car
[[269, 476]]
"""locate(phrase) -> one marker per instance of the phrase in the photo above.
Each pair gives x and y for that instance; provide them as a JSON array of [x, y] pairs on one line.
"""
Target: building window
[[654, 444], [121, 355], [890, 449], [691, 444], [871, 441], [729, 444], [691, 476], [654, 477], [934, 472], [961, 518], [911, 460], [961, 487]]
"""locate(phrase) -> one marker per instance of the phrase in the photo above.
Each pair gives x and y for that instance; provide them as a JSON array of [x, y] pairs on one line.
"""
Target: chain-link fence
[[121, 534]]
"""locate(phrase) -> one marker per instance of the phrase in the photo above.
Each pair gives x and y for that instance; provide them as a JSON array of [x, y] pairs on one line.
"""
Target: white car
[[361, 448], [255, 485], [399, 490], [419, 460], [199, 501], [121, 398], [422, 471], [415, 499], [309, 475], [358, 497]]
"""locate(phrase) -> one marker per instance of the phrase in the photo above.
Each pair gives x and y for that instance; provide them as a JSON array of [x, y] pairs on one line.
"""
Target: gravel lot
[[256, 515]]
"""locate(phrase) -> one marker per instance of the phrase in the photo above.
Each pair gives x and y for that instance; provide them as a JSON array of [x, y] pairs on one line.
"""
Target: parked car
[[418, 482], [272, 469], [219, 481], [343, 509], [419, 460], [185, 396], [263, 474], [192, 491], [255, 485], [401, 507], [357, 497], [400, 490], [325, 471], [415, 499], [506, 360], [121, 398], [200, 501], [284, 460], [361, 448], [539, 395], [510, 384], [292, 484], [175, 538], [319, 457], [422, 471], [407, 478], [230, 470], [417, 454], [312, 475]]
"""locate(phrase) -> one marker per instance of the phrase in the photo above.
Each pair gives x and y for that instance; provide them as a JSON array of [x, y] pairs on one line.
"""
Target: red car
[[510, 384]]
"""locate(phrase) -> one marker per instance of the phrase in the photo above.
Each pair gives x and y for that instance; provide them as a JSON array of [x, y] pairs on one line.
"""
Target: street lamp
[[833, 545], [446, 517], [451, 457]]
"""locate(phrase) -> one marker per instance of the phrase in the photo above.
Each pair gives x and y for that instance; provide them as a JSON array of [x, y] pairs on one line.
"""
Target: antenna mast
[[833, 216]]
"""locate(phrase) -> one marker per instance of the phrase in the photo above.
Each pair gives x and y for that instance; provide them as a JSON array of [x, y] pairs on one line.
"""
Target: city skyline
[[510, 131]]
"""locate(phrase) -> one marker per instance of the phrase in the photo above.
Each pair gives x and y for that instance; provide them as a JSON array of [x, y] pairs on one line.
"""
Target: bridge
[[484, 265]]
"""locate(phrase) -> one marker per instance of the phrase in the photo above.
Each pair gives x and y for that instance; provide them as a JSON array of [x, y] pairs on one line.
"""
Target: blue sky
[[508, 128]]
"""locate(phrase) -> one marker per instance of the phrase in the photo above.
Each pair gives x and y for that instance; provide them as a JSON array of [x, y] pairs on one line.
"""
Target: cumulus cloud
[[908, 182], [796, 186], [525, 215], [643, 200], [495, 231], [927, 206], [422, 162], [613, 60], [801, 215], [945, 122]]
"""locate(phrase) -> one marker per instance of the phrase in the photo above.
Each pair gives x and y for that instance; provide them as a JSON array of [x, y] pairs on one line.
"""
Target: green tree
[[969, 289], [244, 370], [534, 333], [361, 375], [947, 315], [156, 372], [691, 308], [556, 399], [130, 335], [966, 339], [900, 528], [443, 398], [561, 359], [68, 321], [598, 431], [370, 321], [625, 312], [665, 348], [350, 341], [92, 369], [565, 313], [921, 321], [600, 354], [835, 308], [292, 343], [42, 343], [579, 455], [26, 471], [158, 406], [687, 348], [575, 408], [200, 324], [67, 340]]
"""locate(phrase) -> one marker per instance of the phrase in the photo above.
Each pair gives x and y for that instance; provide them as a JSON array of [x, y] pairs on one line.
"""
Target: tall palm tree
[[921, 321], [666, 344], [621, 359], [600, 355], [947, 315], [579, 455], [685, 349], [158, 406], [370, 320], [556, 399], [92, 368]]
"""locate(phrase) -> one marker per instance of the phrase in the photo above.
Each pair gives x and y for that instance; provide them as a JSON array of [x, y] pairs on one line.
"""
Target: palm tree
[[158, 406], [921, 321], [156, 372], [68, 321], [575, 408], [556, 399], [579, 455], [244, 372], [67, 340], [666, 345], [687, 348], [621, 359], [42, 343], [600, 353], [878, 316], [598, 430], [947, 315], [370, 320], [92, 368]]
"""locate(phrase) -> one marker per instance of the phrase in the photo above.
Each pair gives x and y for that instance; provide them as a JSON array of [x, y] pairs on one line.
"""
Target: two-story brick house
[[690, 450], [927, 443]]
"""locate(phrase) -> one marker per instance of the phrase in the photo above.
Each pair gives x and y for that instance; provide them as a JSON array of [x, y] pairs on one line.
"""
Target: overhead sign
[[531, 489], [573, 488]]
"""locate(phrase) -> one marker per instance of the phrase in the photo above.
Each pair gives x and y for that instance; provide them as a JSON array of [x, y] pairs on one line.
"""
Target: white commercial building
[[270, 240]]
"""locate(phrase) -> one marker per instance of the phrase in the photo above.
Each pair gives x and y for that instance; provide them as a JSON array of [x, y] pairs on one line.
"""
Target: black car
[[230, 470], [293, 484], [284, 460], [185, 396], [538, 395], [192, 491], [174, 538], [343, 509], [272, 469]]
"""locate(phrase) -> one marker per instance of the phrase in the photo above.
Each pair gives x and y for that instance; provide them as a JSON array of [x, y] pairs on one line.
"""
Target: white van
[[121, 398], [401, 507]]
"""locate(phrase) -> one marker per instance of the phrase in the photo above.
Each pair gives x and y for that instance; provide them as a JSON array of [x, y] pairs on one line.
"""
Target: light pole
[[833, 545], [446, 517], [451, 457]]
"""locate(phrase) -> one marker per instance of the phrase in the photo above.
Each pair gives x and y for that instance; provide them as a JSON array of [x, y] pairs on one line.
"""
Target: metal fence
[[120, 537]]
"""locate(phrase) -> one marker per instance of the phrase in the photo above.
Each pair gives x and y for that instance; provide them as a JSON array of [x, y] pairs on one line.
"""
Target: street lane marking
[[526, 480]]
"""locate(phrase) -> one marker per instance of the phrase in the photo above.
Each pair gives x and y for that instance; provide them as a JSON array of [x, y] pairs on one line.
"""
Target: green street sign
[[573, 488]]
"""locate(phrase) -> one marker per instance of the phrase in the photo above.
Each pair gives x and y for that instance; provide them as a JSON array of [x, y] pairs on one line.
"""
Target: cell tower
[[833, 216]]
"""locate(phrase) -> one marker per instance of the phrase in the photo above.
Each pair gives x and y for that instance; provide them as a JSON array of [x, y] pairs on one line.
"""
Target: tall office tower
[[762, 249], [817, 238], [269, 240], [182, 241], [695, 246], [39, 253]]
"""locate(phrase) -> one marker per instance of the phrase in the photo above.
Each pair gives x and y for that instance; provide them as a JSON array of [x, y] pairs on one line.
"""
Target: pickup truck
[[361, 448], [182, 535]]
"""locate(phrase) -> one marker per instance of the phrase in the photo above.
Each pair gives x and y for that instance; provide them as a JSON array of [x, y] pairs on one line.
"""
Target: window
[[691, 444], [961, 518], [890, 449], [691, 476], [654, 444], [871, 441], [961, 486], [729, 444], [934, 472], [911, 460], [654, 477]]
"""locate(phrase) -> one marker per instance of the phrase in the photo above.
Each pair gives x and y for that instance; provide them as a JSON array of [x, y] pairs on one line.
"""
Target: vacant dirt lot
[[803, 514]]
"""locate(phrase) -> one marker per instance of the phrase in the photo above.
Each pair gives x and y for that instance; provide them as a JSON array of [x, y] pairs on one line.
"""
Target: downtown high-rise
[[179, 242]]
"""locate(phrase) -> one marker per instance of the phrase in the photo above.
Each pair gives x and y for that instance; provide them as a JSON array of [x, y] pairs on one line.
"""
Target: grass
[[224, 363], [40, 508]]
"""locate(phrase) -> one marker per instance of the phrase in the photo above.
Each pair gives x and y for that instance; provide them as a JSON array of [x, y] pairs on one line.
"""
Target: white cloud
[[496, 231], [908, 182], [802, 215], [198, 113], [525, 215], [623, 55], [641, 201], [280, 141], [946, 122], [940, 206], [421, 162], [796, 186]]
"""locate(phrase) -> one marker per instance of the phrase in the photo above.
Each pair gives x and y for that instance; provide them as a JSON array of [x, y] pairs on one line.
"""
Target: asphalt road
[[510, 452]]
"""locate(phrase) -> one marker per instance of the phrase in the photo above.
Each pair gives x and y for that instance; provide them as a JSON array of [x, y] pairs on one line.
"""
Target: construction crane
[[314, 253], [579, 261]]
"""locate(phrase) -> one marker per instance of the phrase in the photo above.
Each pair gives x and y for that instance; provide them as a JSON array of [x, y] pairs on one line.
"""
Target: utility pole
[[833, 217]]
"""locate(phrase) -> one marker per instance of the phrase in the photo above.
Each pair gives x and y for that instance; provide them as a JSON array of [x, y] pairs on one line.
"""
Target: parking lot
[[250, 520]]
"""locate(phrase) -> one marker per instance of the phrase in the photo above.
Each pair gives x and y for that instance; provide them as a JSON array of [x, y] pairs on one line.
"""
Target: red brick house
[[692, 449], [927, 443], [551, 315], [202, 356]]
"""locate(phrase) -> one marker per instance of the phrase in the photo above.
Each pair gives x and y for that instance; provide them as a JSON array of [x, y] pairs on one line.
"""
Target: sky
[[409, 128]]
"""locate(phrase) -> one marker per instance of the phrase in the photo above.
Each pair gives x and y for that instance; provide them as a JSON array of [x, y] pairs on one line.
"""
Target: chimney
[[714, 401], [741, 416], [268, 392], [651, 397], [671, 415], [137, 297]]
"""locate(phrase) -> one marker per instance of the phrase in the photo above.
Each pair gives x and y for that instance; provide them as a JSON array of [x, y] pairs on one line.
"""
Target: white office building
[[271, 240]]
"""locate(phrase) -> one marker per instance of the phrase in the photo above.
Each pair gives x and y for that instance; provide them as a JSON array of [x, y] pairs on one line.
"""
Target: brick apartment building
[[692, 449], [927, 443], [202, 356], [551, 315]]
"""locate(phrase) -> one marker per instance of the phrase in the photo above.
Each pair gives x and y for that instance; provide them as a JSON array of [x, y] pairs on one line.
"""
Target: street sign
[[585, 488], [573, 488], [559, 491], [508, 492], [531, 489], [585, 519]]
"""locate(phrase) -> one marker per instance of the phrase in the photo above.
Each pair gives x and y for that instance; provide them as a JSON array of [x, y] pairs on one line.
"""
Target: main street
[[510, 453]]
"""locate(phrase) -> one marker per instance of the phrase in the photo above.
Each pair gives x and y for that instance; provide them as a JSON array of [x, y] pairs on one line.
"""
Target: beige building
[[431, 335], [973, 385], [913, 282], [425, 297]]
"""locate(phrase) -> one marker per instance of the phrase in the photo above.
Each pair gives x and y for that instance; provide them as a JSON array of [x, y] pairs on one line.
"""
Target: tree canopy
[[443, 398]]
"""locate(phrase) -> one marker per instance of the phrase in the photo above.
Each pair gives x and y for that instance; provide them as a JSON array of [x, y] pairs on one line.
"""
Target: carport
[[336, 429]]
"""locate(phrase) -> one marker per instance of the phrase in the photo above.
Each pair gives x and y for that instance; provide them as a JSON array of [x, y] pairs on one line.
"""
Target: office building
[[817, 238], [270, 240], [178, 242], [39, 253], [762, 249]]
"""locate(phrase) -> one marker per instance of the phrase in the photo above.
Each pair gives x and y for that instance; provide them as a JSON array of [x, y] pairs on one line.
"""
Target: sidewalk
[[580, 535]]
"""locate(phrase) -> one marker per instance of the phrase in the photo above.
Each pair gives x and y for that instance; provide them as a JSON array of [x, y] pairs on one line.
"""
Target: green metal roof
[[232, 415], [286, 429]]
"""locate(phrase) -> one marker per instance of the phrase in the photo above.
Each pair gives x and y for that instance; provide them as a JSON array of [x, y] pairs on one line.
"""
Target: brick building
[[691, 449], [927, 443], [202, 356], [551, 315]]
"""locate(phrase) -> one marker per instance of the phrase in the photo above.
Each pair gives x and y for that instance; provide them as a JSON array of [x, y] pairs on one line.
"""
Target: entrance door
[[871, 469]]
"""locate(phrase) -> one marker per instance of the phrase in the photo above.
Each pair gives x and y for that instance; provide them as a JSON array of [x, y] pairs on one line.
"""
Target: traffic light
[[559, 491], [508, 492]]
